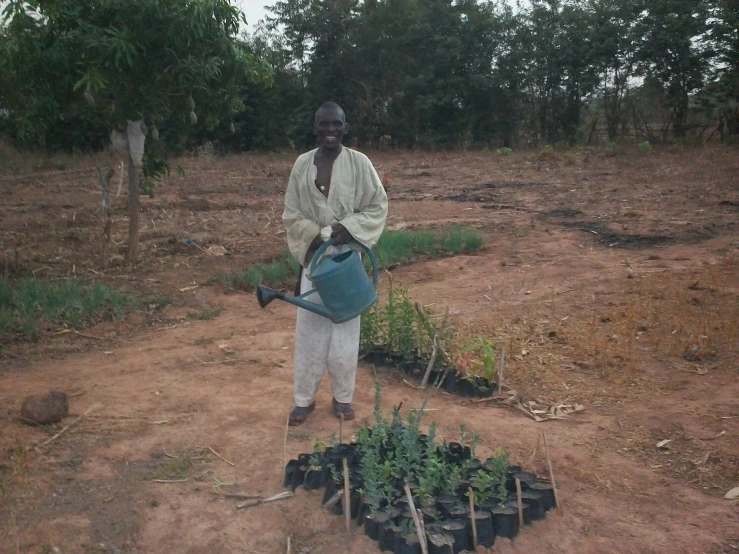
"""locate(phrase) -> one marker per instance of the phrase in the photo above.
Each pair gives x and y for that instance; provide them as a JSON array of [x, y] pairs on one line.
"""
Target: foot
[[299, 415], [345, 409]]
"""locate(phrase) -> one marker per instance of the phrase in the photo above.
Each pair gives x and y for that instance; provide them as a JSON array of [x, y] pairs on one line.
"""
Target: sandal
[[345, 409], [299, 415]]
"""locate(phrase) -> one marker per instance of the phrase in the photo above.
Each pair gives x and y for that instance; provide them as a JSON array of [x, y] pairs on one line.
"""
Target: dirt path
[[569, 305]]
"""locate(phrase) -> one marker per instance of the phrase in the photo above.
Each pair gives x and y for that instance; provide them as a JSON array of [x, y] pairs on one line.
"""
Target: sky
[[254, 10]]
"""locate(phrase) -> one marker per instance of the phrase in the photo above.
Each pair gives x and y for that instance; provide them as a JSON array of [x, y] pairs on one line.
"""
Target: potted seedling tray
[[441, 477]]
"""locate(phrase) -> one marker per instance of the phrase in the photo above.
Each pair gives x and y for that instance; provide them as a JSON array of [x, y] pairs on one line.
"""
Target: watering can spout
[[265, 295]]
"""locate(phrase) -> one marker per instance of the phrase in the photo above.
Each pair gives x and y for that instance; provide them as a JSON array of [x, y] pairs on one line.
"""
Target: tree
[[673, 51], [139, 64]]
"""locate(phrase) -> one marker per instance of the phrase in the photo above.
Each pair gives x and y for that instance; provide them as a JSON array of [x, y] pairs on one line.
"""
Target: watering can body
[[340, 281]]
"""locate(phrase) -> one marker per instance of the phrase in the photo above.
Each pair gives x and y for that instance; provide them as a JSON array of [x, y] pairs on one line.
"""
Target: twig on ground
[[52, 439], [170, 480], [237, 495], [79, 334], [167, 454], [221, 457], [258, 501]]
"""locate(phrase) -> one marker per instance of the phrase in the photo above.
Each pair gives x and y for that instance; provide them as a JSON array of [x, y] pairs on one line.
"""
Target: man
[[333, 192]]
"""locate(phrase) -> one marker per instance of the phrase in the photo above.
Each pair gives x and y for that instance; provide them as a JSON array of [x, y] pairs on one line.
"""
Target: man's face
[[330, 128]]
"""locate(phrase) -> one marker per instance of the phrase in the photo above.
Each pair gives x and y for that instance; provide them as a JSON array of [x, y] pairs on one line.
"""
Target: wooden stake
[[289, 549], [333, 500], [432, 361], [419, 529], [501, 366], [472, 517], [347, 495], [520, 505], [551, 472]]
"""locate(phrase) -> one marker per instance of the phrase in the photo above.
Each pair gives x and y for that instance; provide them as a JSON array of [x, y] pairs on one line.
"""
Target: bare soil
[[613, 282]]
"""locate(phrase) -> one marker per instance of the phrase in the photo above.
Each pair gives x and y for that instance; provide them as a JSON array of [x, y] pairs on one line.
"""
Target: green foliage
[[485, 351], [547, 152], [483, 484], [570, 159], [505, 151], [645, 148], [497, 466], [611, 149], [206, 314], [104, 62], [72, 303]]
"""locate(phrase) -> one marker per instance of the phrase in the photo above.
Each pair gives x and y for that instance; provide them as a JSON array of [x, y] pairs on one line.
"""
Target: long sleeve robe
[[357, 200]]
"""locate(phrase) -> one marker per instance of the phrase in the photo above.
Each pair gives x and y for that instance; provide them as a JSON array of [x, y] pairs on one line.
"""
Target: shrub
[[570, 158], [505, 151], [645, 148]]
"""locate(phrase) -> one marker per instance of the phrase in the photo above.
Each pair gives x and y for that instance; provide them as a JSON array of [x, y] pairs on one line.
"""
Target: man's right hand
[[316, 244]]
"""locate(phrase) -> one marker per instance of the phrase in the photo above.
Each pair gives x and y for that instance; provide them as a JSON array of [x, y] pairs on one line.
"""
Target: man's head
[[330, 126]]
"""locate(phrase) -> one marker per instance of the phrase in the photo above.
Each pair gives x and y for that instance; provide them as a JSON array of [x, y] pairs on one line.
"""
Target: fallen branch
[[75, 422], [221, 457], [258, 501]]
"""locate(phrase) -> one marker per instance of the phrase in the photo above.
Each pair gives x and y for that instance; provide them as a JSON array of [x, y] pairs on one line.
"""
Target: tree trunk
[[107, 223], [133, 213]]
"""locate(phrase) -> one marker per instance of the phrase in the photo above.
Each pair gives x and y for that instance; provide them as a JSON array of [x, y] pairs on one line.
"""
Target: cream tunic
[[357, 200]]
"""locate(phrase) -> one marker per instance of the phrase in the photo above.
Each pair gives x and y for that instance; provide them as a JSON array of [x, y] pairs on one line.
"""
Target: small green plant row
[[27, 303], [401, 332], [393, 248]]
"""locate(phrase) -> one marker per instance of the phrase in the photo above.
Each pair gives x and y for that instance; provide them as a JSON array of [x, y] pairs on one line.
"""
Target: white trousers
[[321, 344]]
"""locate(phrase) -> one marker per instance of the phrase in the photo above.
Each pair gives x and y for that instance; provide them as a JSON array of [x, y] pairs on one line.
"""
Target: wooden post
[[107, 222], [551, 472], [347, 497], [419, 525], [473, 518], [520, 505], [133, 212], [432, 361]]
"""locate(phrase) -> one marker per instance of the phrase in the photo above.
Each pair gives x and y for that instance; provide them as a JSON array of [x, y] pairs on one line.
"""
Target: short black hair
[[331, 106]]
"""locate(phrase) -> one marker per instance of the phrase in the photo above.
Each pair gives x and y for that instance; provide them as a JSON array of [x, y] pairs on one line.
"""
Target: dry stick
[[257, 502], [432, 361], [347, 496], [333, 500], [551, 472], [472, 517], [416, 520], [288, 545], [221, 457], [170, 480], [284, 445], [52, 439], [520, 505], [500, 367]]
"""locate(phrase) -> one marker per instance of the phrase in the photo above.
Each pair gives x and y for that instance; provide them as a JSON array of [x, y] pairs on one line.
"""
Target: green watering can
[[340, 281]]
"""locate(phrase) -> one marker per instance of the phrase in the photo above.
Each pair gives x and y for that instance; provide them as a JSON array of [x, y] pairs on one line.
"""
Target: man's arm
[[303, 235], [367, 222]]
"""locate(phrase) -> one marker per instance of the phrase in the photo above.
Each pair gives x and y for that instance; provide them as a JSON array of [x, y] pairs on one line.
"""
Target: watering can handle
[[332, 242]]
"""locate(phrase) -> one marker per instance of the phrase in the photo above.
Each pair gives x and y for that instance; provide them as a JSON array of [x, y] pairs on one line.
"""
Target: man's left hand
[[340, 234]]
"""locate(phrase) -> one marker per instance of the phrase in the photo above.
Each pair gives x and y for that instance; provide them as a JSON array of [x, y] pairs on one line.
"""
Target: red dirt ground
[[614, 283]]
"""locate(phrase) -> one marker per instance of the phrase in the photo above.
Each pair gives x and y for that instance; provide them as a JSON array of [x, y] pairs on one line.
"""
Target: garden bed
[[449, 486], [402, 335]]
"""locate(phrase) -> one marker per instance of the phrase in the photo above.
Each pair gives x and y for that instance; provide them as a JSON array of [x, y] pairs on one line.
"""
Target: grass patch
[[393, 248], [176, 468], [27, 303], [207, 314], [202, 341]]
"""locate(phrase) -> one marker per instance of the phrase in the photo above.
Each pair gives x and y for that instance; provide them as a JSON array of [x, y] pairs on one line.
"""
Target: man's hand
[[340, 234], [316, 244]]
